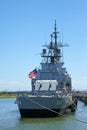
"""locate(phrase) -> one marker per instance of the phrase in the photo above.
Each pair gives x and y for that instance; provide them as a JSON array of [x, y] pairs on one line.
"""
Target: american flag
[[33, 74]]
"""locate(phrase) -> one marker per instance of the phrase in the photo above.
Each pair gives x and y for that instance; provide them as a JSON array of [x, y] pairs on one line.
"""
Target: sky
[[25, 25]]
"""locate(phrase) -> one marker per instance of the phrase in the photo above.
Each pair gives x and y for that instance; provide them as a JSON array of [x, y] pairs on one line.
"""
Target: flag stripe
[[33, 74]]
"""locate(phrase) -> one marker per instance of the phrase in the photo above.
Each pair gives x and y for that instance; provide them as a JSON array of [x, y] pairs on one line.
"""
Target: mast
[[52, 53], [55, 34]]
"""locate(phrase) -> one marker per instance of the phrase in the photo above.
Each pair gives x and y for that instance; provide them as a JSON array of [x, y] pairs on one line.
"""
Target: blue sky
[[25, 25]]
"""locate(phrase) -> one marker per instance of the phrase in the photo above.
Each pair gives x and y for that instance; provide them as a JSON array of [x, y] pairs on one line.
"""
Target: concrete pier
[[80, 95]]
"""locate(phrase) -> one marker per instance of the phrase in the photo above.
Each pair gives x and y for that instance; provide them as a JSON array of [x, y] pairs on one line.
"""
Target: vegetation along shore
[[7, 95]]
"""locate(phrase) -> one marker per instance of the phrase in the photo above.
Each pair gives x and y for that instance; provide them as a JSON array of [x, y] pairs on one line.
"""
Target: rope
[[44, 106], [73, 104], [50, 108]]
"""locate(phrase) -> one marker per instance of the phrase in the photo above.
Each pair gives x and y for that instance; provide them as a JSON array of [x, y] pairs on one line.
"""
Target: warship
[[51, 93]]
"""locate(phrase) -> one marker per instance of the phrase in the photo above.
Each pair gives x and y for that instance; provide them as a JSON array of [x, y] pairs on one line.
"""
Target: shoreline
[[7, 96]]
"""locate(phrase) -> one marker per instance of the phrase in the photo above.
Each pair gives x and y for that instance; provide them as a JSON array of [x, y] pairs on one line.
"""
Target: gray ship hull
[[35, 113], [43, 106]]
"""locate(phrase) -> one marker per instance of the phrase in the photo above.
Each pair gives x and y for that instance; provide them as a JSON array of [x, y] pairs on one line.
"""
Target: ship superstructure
[[52, 64]]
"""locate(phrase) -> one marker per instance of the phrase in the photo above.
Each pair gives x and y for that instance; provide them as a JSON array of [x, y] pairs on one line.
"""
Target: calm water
[[10, 119]]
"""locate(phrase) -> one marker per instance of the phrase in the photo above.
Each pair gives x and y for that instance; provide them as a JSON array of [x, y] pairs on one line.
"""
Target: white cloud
[[13, 85], [80, 83]]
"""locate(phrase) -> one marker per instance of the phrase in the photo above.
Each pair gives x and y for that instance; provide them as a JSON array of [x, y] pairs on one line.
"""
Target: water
[[10, 119]]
